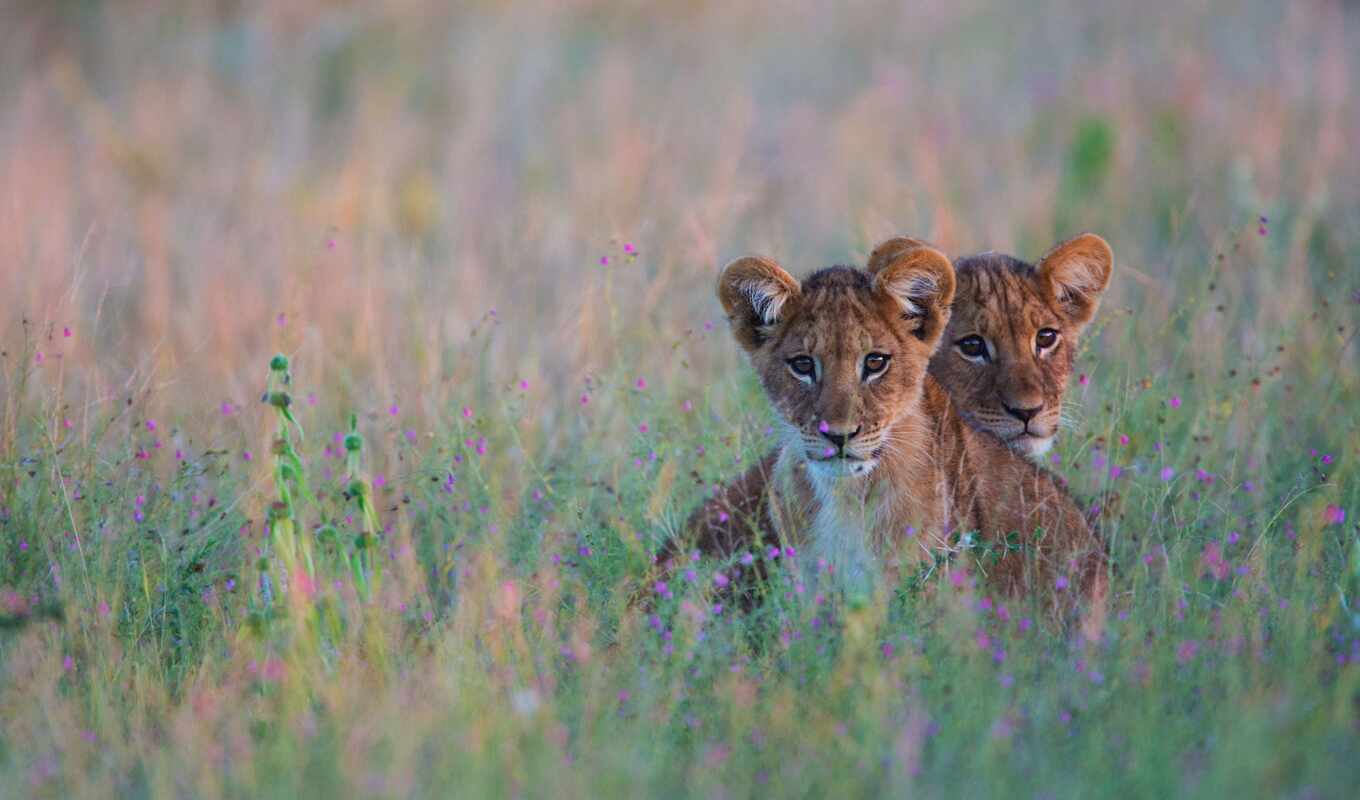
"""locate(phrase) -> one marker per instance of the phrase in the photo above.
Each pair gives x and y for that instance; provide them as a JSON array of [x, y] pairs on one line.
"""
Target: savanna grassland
[[412, 554]]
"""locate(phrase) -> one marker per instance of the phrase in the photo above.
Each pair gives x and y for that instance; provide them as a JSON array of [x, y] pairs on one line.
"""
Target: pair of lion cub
[[898, 449]]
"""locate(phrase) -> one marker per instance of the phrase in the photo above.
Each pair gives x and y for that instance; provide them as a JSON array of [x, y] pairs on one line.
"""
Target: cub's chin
[[841, 467], [1035, 447]]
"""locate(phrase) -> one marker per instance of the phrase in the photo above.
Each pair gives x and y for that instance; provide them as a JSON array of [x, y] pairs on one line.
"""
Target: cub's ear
[[919, 283], [756, 293], [888, 252], [1075, 273]]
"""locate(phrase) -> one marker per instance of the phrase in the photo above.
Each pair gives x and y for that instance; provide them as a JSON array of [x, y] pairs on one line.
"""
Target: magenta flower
[[66, 332], [643, 428], [627, 247], [1186, 651], [641, 384], [1335, 515], [1083, 379], [467, 412], [394, 410], [1061, 583], [604, 261], [151, 424], [1175, 401], [823, 426], [1168, 473], [1124, 439], [585, 399]]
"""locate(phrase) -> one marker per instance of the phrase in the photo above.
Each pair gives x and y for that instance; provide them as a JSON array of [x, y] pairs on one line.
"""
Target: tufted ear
[[1075, 273], [888, 251], [920, 282], [756, 293]]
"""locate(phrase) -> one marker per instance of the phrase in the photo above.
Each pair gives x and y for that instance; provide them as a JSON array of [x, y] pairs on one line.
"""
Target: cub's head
[[843, 354], [1008, 349]]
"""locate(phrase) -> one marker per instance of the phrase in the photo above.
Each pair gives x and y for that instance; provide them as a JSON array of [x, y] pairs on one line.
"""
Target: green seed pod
[[356, 488], [262, 565], [279, 363], [353, 442], [326, 534], [360, 542], [280, 399]]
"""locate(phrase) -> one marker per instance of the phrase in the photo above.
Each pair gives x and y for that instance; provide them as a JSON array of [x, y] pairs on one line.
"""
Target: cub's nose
[[1024, 414], [838, 438]]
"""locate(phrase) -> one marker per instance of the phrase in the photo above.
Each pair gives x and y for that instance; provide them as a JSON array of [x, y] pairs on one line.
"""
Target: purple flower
[[1175, 401], [1335, 515]]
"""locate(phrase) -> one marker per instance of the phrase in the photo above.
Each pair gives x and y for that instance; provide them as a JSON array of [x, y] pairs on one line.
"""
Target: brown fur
[[904, 457], [1007, 302]]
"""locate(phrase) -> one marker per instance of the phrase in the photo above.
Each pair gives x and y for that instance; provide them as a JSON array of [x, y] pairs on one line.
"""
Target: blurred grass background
[[492, 231]]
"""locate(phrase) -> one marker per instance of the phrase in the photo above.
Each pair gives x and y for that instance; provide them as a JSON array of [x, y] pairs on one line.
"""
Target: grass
[[407, 558]]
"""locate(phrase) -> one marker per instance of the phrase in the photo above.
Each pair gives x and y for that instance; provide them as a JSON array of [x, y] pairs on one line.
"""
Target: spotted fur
[[879, 472], [1016, 393]]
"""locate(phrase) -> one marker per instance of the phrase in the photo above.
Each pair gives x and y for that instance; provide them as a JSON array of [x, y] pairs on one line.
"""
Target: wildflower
[[823, 426], [394, 410], [68, 663], [281, 319], [1186, 651], [151, 425], [467, 412], [38, 357], [245, 454], [523, 385], [1083, 379], [1061, 583], [66, 332], [641, 384], [627, 247], [720, 580], [747, 559], [1168, 473], [1175, 401], [585, 399], [1335, 515], [1124, 439], [604, 261], [687, 405], [1211, 561]]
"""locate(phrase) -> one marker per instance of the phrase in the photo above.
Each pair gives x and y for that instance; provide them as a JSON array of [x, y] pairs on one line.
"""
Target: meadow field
[[356, 358]]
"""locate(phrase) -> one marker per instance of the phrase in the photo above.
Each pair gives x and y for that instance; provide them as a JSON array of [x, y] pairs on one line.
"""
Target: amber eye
[[875, 363], [803, 366], [972, 347], [1045, 338]]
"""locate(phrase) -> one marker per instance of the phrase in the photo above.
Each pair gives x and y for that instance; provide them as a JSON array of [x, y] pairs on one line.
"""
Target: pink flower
[[151, 424], [1335, 515], [643, 428], [1083, 379], [467, 411], [1168, 473], [585, 399], [246, 455], [1186, 651], [524, 386], [1124, 439], [1212, 561], [641, 384], [394, 410], [66, 332], [604, 261], [627, 247]]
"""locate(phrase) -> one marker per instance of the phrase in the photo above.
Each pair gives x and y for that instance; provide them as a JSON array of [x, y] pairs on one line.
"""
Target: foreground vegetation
[[412, 554]]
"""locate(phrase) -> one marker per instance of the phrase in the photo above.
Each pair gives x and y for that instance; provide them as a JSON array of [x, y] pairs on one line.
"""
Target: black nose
[[1024, 414], [839, 439]]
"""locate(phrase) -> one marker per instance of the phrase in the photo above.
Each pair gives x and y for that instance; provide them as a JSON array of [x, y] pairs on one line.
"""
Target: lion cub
[[878, 472], [1008, 348]]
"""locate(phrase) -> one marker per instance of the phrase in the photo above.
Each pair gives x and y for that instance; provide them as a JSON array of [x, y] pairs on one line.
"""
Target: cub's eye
[[972, 347], [875, 363], [802, 366], [1045, 338]]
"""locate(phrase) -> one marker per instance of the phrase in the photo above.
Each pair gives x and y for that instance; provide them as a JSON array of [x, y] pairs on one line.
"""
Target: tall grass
[[411, 554]]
